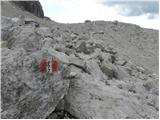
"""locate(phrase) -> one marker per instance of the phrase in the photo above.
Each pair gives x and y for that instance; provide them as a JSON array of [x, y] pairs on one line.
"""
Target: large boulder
[[89, 99], [27, 93], [25, 37]]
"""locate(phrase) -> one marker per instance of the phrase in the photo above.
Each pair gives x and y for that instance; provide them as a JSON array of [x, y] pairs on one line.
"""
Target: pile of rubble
[[93, 80]]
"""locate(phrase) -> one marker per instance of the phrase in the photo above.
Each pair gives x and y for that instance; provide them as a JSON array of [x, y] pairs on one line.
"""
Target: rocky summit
[[105, 69]]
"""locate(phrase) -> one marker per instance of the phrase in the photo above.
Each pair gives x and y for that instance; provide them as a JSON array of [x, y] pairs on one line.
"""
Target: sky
[[144, 13]]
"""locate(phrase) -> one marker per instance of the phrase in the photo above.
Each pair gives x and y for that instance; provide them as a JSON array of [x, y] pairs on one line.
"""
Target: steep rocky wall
[[31, 6]]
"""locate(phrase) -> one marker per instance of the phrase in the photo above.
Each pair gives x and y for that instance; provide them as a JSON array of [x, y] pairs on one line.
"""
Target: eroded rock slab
[[27, 93]]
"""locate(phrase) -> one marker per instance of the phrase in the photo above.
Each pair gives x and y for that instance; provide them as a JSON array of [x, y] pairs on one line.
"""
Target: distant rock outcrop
[[31, 6]]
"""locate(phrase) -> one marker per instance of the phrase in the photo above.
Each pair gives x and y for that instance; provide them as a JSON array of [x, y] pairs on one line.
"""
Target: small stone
[[121, 62], [83, 48], [99, 46], [150, 84], [94, 69], [108, 69], [75, 61], [44, 31], [31, 22], [4, 44], [120, 73], [140, 69], [21, 20], [120, 86], [142, 76]]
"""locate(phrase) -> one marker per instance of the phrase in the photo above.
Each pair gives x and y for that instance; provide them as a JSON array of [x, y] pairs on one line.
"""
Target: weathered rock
[[87, 21], [142, 76], [150, 84], [121, 73], [152, 100], [21, 20], [109, 69], [47, 18], [74, 36], [140, 69], [58, 55], [4, 44], [74, 71], [63, 58], [110, 50], [31, 22], [47, 43], [77, 62], [115, 22], [60, 105], [94, 69], [25, 37], [60, 47], [6, 22], [31, 6], [88, 99], [88, 56], [83, 48], [66, 73], [70, 46], [105, 57], [121, 62], [28, 94], [99, 46], [44, 32], [5, 35]]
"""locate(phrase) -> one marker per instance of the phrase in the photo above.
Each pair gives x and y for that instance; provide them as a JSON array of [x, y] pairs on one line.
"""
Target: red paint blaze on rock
[[54, 66], [43, 65]]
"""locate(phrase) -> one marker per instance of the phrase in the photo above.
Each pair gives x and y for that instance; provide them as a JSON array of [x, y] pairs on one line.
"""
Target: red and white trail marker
[[50, 66]]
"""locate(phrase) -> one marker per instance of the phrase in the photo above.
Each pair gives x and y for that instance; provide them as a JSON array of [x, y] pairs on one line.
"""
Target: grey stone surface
[[94, 70], [105, 69], [89, 99], [28, 94], [109, 69], [33, 7]]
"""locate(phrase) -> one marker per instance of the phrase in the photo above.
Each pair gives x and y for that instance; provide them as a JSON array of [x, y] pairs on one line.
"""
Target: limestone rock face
[[98, 74], [27, 93], [31, 6], [90, 99]]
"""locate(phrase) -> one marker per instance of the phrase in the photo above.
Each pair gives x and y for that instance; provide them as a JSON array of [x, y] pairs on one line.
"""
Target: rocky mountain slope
[[105, 69], [30, 6]]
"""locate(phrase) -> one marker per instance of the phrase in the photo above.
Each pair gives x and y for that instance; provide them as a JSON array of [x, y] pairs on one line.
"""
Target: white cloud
[[75, 11], [142, 21]]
